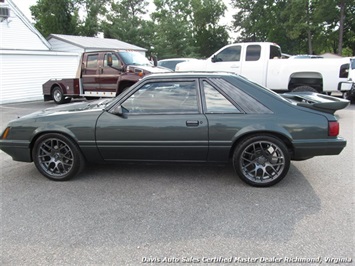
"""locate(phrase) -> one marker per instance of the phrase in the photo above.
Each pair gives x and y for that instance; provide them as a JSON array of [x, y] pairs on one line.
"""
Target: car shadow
[[161, 201]]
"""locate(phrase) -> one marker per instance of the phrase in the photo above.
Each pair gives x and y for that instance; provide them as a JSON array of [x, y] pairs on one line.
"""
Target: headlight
[[5, 133]]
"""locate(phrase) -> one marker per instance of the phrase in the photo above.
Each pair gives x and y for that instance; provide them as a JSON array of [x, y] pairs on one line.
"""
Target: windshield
[[134, 58]]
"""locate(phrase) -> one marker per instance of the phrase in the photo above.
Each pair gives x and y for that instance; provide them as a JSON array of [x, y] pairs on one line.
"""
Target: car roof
[[189, 74]]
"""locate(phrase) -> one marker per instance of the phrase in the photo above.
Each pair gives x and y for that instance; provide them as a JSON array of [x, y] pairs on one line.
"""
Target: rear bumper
[[18, 150], [305, 149]]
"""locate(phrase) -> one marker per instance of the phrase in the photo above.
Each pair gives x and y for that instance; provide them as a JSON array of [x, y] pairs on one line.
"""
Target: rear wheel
[[261, 161], [58, 96], [57, 157]]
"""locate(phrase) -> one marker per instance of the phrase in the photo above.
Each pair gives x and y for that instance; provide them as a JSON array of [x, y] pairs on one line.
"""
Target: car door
[[90, 72], [161, 121], [254, 66], [227, 59], [109, 74]]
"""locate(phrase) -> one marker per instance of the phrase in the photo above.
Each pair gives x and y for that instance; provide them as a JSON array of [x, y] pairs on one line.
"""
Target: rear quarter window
[[246, 102]]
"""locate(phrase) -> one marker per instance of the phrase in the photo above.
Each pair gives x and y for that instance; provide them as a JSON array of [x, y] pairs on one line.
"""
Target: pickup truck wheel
[[57, 157], [261, 160], [346, 95], [57, 95], [304, 88]]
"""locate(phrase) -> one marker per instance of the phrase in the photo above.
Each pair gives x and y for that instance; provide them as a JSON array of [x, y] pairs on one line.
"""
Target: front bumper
[[19, 150], [305, 149]]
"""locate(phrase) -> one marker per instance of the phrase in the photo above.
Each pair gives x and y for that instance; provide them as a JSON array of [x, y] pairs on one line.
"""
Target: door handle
[[192, 123]]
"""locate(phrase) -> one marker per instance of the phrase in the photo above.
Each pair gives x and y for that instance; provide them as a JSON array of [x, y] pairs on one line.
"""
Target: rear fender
[[261, 129]]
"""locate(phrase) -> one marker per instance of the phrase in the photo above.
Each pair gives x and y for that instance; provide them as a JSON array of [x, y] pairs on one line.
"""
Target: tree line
[[193, 28]]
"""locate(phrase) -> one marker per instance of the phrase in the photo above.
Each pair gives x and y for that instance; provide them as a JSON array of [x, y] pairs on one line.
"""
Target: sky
[[24, 6]]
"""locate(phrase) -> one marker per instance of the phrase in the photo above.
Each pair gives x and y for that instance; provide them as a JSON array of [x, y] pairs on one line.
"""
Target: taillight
[[333, 129]]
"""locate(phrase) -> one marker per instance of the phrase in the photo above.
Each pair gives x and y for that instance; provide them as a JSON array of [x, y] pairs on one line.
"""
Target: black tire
[[67, 100], [304, 88], [58, 96], [57, 157], [261, 161], [346, 95]]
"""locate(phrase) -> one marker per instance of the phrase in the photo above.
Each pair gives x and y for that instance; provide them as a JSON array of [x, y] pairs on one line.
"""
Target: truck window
[[92, 61], [231, 53], [115, 61], [275, 52], [352, 64], [253, 53]]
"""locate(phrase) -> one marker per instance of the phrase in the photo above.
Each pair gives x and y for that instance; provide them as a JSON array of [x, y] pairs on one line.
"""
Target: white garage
[[27, 59]]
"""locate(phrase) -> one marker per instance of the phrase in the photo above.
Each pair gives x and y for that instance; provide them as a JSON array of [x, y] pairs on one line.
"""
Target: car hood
[[70, 108]]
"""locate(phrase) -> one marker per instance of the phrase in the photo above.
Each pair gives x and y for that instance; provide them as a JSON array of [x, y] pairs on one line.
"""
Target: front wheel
[[261, 161], [57, 157]]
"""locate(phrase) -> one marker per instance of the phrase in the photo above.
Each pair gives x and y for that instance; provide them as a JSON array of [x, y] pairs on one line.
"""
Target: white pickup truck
[[262, 63]]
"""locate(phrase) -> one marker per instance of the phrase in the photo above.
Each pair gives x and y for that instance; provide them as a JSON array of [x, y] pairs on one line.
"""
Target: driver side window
[[229, 54], [164, 98], [115, 61]]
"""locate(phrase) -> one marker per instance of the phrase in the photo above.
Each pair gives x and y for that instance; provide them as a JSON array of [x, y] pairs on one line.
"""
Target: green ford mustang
[[179, 117]]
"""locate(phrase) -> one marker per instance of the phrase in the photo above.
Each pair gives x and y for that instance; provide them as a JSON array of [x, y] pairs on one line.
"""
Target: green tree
[[126, 22], [349, 28], [173, 29], [91, 25], [299, 26], [209, 35], [252, 19], [57, 17], [337, 20]]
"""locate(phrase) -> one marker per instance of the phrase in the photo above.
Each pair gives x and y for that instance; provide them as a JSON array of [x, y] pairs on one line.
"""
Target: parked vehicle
[[101, 74], [178, 117], [351, 94], [262, 63], [172, 62]]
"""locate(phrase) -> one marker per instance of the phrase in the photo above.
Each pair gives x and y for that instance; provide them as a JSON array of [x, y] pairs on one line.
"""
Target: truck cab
[[125, 69], [263, 63], [101, 74]]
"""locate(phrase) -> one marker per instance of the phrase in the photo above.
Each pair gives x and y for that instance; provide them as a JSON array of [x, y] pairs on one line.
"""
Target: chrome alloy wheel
[[55, 157], [262, 161], [57, 95]]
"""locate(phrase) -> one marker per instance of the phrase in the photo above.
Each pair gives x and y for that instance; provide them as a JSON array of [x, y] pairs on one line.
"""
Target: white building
[[27, 59]]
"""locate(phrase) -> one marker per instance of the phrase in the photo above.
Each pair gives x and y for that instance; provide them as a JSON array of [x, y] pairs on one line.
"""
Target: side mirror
[[119, 110], [214, 59], [155, 60], [109, 60]]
